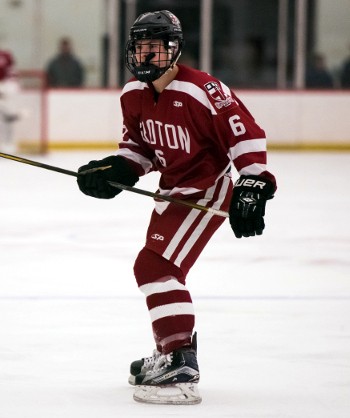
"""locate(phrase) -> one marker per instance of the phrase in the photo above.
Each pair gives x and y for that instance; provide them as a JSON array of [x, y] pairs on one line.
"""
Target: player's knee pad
[[150, 267]]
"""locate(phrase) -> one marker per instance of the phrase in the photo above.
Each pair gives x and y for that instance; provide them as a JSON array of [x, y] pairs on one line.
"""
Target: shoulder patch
[[221, 99]]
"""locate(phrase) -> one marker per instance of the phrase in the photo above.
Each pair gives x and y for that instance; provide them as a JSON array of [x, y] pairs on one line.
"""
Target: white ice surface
[[273, 312]]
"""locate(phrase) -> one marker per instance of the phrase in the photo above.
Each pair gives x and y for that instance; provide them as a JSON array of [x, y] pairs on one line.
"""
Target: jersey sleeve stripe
[[247, 146], [145, 163], [253, 169]]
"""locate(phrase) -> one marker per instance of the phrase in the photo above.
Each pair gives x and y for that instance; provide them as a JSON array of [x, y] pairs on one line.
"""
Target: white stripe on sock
[[171, 309], [161, 287]]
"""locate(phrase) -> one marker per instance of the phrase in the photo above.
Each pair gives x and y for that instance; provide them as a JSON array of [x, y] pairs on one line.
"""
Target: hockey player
[[9, 88], [190, 127]]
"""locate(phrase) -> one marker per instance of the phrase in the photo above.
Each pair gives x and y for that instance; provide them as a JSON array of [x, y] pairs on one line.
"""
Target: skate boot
[[172, 380], [147, 363]]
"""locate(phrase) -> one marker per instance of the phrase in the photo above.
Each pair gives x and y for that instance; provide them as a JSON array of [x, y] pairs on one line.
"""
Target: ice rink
[[273, 312]]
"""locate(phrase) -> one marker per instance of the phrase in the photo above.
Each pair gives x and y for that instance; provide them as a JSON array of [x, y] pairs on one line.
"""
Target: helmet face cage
[[154, 45]]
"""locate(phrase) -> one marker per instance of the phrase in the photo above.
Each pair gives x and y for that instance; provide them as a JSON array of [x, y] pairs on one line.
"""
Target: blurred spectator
[[345, 74], [9, 89], [317, 74], [65, 69]]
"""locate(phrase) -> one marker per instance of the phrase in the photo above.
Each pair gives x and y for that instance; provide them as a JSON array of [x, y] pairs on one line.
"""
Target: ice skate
[[146, 363], [172, 380]]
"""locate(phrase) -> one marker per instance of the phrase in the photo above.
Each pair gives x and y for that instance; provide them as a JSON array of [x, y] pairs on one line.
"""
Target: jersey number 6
[[160, 157], [236, 125]]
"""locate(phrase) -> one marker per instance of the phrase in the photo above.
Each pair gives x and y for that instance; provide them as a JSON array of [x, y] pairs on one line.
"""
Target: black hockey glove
[[95, 183], [247, 208]]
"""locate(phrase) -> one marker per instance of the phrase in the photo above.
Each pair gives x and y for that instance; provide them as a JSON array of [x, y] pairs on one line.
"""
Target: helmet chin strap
[[170, 69]]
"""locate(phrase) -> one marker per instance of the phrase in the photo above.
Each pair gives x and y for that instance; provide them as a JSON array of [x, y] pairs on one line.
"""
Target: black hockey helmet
[[161, 25]]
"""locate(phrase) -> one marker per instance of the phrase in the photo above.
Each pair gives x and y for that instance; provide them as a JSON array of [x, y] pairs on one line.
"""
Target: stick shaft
[[37, 164], [118, 185]]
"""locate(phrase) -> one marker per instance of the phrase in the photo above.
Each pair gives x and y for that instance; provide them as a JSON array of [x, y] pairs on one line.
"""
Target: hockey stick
[[118, 185]]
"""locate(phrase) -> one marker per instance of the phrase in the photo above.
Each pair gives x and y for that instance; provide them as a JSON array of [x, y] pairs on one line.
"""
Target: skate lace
[[150, 361], [163, 361]]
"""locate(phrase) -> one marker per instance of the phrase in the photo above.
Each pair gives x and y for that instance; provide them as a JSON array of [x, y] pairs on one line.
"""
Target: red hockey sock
[[168, 300]]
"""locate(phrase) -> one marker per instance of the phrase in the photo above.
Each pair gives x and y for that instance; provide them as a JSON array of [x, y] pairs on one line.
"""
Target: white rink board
[[94, 116]]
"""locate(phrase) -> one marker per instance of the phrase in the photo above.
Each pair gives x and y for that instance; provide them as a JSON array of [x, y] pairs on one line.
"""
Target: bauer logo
[[157, 237], [250, 183]]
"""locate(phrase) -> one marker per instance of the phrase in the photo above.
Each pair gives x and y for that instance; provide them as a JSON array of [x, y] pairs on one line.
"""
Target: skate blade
[[178, 394]]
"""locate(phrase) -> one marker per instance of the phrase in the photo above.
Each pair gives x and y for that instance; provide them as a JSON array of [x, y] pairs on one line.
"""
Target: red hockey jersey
[[190, 133]]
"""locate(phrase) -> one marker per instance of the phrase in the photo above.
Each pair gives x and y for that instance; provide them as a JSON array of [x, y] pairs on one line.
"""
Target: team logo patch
[[216, 92]]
